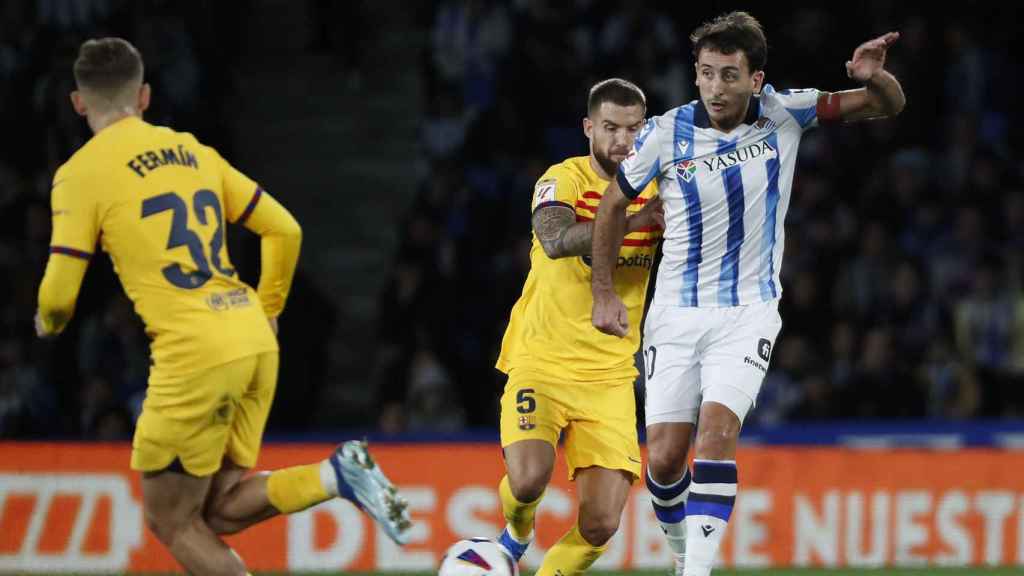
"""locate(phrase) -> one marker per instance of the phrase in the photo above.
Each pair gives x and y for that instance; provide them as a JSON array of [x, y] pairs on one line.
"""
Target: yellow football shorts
[[599, 419], [221, 413]]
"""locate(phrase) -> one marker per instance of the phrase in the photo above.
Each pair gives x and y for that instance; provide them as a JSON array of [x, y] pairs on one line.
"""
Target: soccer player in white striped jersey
[[724, 166]]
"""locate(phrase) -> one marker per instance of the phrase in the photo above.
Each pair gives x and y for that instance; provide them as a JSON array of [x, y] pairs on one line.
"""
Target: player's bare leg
[[237, 502], [173, 504], [668, 444], [528, 466], [603, 494], [668, 481], [718, 432], [713, 492]]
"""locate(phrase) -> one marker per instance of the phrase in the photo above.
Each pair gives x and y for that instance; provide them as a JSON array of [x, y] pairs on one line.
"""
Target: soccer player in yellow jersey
[[157, 201], [562, 374]]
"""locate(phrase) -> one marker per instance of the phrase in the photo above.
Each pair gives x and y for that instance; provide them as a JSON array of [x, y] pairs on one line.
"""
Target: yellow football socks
[[519, 515], [296, 488], [570, 555]]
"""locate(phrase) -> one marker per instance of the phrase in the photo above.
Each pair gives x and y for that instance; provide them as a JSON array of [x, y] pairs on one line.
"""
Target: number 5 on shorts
[[525, 402]]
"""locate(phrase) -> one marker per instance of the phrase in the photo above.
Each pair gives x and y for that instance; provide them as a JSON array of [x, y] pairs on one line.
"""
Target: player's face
[[612, 130], [726, 85]]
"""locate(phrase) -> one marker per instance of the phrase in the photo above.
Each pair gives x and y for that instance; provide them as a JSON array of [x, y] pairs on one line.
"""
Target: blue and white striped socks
[[712, 496], [669, 504]]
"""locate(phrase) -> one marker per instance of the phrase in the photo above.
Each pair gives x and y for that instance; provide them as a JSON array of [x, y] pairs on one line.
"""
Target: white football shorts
[[695, 355]]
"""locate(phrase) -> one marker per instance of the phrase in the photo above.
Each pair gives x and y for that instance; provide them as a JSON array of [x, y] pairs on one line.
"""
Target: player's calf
[[529, 464], [718, 432], [603, 494], [714, 487], [173, 510], [233, 504]]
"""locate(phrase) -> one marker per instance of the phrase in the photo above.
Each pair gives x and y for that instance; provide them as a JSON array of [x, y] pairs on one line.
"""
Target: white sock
[[712, 496], [669, 504], [328, 478]]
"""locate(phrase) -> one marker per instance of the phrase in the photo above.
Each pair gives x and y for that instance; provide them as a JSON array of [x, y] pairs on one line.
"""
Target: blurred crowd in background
[[903, 270]]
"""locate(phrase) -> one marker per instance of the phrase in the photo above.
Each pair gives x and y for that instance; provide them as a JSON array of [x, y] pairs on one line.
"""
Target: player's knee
[[220, 525], [666, 457], [665, 466], [598, 526], [529, 487], [167, 521], [528, 482], [166, 524]]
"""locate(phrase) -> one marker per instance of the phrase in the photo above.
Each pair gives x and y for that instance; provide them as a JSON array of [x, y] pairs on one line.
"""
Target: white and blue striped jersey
[[725, 196]]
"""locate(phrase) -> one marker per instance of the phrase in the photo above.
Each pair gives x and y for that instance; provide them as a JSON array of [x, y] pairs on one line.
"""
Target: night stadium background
[[406, 138]]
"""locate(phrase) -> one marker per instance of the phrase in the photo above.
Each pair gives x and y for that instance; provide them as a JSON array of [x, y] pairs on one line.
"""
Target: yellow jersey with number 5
[[550, 329], [157, 201]]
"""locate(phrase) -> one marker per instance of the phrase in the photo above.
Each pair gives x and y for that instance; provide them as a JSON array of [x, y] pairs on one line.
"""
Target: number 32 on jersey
[[182, 235]]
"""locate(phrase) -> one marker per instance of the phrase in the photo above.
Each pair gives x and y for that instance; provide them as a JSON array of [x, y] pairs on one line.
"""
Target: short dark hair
[[616, 91], [107, 66], [731, 32]]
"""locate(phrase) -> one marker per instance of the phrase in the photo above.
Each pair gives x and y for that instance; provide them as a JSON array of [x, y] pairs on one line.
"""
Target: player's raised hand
[[869, 57], [652, 214], [609, 314]]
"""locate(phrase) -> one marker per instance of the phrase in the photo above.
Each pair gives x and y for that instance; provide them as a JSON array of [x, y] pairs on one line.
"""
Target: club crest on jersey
[[526, 423], [765, 123], [686, 170], [217, 302]]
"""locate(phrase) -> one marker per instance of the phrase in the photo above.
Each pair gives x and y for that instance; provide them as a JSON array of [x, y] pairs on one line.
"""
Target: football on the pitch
[[478, 557]]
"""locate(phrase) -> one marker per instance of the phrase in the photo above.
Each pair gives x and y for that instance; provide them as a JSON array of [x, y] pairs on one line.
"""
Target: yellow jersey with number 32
[[157, 200], [550, 330]]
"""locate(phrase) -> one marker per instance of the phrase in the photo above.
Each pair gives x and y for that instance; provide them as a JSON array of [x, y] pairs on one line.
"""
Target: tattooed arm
[[561, 235]]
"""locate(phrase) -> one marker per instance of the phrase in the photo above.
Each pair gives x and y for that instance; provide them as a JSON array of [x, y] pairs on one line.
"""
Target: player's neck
[[102, 121], [730, 124], [596, 167]]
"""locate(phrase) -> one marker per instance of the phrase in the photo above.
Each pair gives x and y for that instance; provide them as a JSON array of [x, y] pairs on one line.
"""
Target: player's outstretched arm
[[561, 236], [609, 313], [882, 95]]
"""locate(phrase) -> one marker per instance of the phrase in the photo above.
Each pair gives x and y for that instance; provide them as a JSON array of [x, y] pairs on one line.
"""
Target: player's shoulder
[[82, 165], [771, 98], [83, 160], [668, 123], [796, 106], [166, 133], [68, 168], [573, 169]]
